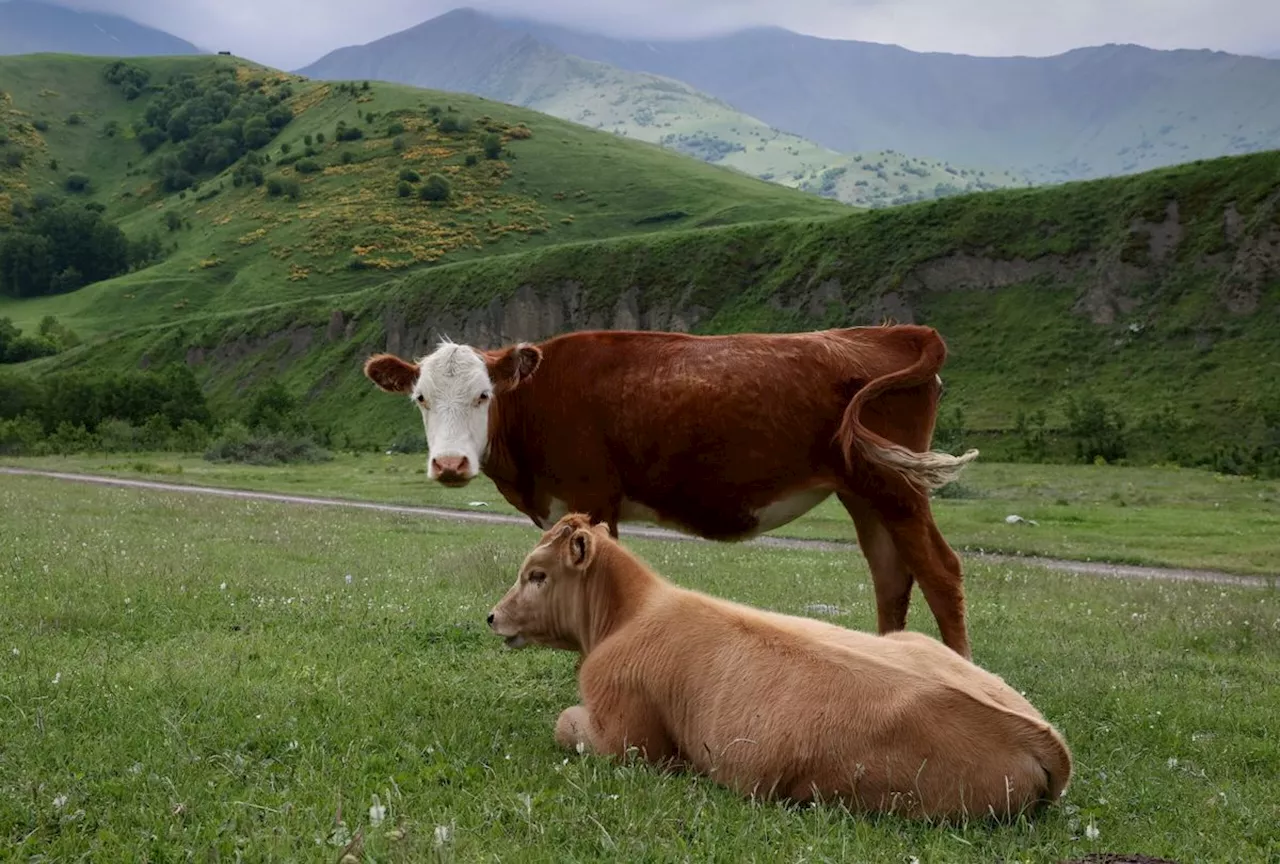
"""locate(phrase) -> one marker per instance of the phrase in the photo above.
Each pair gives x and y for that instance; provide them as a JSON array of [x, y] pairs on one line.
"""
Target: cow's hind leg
[[889, 575], [904, 513], [936, 567]]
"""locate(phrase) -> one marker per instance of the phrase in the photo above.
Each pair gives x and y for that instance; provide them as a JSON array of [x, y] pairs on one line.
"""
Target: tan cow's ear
[[511, 366], [582, 548], [391, 373]]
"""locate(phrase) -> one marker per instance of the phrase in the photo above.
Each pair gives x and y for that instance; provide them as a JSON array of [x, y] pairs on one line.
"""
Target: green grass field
[[1159, 517], [212, 679]]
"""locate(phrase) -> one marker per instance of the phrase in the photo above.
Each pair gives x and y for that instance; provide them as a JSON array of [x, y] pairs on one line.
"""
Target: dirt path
[[1091, 568]]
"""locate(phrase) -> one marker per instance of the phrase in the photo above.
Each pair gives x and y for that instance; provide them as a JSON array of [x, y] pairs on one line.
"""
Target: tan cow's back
[[773, 704]]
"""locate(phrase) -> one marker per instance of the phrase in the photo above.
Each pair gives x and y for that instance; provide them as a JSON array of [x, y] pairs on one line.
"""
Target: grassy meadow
[[1163, 517], [196, 678]]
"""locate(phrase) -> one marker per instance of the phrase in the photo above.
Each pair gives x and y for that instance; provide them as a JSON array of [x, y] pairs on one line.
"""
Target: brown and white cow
[[775, 705], [722, 437]]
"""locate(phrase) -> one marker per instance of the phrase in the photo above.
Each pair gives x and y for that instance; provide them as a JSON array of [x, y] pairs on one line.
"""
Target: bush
[[396, 128], [307, 166], [41, 125], [20, 436], [348, 157], [492, 146], [236, 444], [397, 144], [13, 158], [450, 123], [405, 189], [348, 133], [319, 137], [1097, 427], [472, 160], [172, 220], [306, 139], [409, 175], [77, 182], [436, 188]]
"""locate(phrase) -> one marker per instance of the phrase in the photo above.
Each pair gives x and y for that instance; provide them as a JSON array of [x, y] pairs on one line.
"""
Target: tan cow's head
[[547, 604], [454, 386]]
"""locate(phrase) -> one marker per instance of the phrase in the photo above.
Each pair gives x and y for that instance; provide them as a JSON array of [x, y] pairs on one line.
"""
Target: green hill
[[1089, 112], [33, 26], [244, 226], [1138, 315], [470, 52]]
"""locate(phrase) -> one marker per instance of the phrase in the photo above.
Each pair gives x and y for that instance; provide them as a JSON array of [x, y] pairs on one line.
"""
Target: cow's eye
[[422, 400], [482, 398], [537, 577]]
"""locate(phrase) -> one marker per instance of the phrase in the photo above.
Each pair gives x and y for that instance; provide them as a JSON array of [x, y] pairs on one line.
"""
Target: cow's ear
[[391, 373], [510, 367], [582, 548]]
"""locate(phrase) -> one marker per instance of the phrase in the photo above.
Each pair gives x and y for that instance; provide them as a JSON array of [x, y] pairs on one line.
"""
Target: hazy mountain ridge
[[471, 52], [1088, 112], [30, 27]]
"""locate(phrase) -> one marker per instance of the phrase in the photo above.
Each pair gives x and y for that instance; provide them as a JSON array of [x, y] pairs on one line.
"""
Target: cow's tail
[[928, 470]]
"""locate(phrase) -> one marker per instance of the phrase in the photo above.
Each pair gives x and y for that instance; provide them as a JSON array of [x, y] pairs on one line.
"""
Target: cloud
[[292, 33]]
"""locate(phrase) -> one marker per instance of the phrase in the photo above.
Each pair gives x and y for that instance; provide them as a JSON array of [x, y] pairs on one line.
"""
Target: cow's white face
[[454, 388]]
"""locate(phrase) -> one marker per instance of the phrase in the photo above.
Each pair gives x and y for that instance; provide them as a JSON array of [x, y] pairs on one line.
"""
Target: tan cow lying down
[[775, 705]]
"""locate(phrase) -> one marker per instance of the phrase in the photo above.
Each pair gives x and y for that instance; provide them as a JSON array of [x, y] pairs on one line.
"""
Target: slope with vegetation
[[468, 51], [1131, 319], [264, 187]]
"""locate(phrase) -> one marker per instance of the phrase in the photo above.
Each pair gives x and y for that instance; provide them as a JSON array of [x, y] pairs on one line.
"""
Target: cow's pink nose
[[450, 468]]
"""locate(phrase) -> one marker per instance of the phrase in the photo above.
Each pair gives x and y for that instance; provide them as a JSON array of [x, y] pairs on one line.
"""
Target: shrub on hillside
[[348, 133], [450, 123], [492, 146], [436, 188], [77, 182], [409, 175], [404, 189], [307, 166]]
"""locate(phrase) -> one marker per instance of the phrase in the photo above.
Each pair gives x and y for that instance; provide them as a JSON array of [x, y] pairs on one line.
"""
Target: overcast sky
[[291, 33]]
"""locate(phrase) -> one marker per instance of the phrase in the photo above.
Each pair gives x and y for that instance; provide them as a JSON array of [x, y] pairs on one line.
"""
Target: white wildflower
[[222, 587], [57, 677], [1092, 832], [60, 802], [16, 652], [376, 812], [581, 748], [443, 834], [348, 578]]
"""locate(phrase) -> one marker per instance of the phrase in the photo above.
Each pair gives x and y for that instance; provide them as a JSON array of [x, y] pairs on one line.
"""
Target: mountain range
[[29, 27], [865, 123], [1089, 112]]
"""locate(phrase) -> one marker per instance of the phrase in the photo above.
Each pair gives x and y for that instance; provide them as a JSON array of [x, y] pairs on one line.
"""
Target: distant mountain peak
[[38, 26]]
